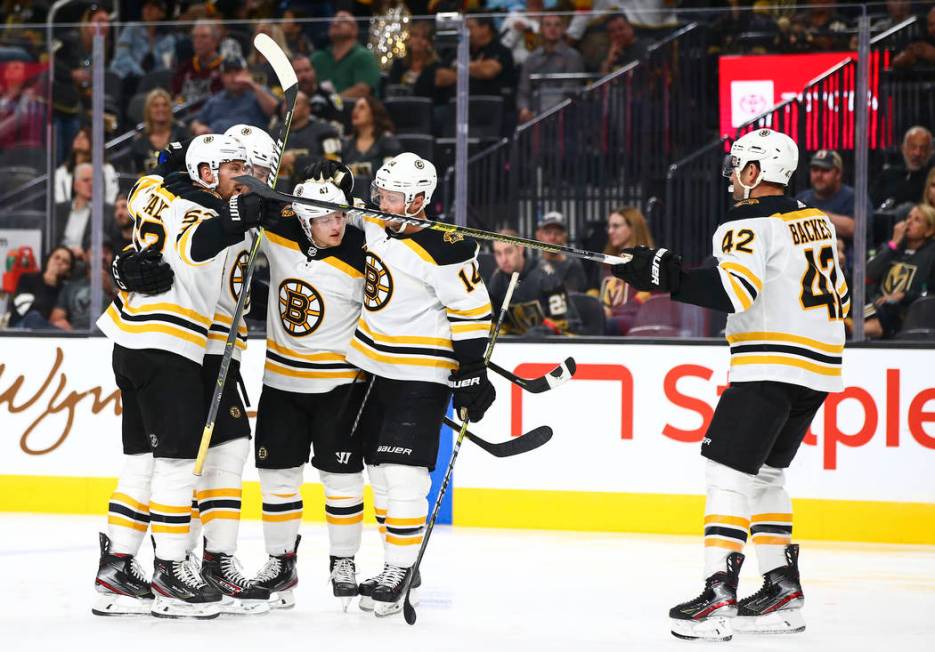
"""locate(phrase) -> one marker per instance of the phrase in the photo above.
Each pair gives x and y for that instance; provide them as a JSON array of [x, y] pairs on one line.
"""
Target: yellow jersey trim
[[799, 215], [403, 360], [473, 312], [323, 375], [420, 251], [282, 242], [339, 264], [404, 339], [743, 271], [310, 357], [194, 338], [740, 292], [164, 307], [789, 362]]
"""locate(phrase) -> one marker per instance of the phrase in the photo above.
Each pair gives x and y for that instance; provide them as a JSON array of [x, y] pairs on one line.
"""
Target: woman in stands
[[903, 271], [928, 192], [81, 153], [370, 145], [626, 227], [37, 293], [159, 129], [416, 71]]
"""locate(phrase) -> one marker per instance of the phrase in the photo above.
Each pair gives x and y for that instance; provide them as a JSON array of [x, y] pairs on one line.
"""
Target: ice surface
[[483, 590]]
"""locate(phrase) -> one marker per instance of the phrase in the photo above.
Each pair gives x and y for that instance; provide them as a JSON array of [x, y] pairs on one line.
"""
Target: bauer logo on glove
[[650, 270]]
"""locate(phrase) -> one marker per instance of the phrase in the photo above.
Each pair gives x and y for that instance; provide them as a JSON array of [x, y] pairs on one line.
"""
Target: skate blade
[[282, 600], [237, 607], [383, 609], [171, 608], [709, 629], [786, 621], [365, 603], [112, 604]]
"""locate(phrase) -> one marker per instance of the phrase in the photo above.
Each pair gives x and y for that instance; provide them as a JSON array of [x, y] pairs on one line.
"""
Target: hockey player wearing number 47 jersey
[[422, 334], [778, 279], [311, 393]]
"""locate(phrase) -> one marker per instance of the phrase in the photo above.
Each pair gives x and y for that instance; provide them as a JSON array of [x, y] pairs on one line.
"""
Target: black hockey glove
[[471, 390], [245, 212], [142, 271], [650, 270], [337, 173]]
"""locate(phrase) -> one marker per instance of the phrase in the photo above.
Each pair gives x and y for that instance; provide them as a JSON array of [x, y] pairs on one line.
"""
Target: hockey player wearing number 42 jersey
[[778, 279], [422, 334]]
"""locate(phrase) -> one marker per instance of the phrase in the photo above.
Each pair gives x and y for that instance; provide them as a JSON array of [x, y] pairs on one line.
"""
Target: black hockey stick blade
[[558, 376], [526, 442]]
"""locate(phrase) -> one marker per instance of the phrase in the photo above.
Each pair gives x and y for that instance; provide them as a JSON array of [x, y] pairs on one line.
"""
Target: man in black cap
[[829, 193], [242, 101]]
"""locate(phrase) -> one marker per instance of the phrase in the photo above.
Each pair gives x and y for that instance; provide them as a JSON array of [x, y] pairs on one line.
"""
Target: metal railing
[[606, 146]]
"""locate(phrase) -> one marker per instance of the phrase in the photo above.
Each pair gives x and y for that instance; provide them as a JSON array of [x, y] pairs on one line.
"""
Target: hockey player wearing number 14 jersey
[[422, 334], [778, 278]]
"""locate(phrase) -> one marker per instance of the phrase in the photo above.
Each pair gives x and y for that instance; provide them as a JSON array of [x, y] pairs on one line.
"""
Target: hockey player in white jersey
[[778, 279], [422, 334], [311, 393], [159, 347]]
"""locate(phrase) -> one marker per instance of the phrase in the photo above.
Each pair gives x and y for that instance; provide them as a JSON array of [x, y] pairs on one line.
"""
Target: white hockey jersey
[[421, 293], [777, 260], [313, 309], [235, 265], [177, 320]]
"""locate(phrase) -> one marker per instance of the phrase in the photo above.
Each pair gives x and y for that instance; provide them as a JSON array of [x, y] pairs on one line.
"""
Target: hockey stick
[[528, 441], [259, 188], [409, 612], [558, 376], [290, 85]]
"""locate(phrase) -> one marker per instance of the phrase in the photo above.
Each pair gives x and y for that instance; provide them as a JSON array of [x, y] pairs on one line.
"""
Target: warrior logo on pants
[[301, 308], [378, 286]]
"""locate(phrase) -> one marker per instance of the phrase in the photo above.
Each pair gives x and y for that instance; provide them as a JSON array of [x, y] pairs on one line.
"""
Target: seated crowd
[[176, 81]]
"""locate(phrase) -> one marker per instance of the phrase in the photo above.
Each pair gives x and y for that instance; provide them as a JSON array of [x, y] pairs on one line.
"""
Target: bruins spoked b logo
[[237, 273], [300, 307], [378, 284]]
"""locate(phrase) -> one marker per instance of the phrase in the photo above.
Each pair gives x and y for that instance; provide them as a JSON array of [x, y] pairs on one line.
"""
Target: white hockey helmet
[[406, 173], [261, 148], [323, 190], [212, 150], [775, 152]]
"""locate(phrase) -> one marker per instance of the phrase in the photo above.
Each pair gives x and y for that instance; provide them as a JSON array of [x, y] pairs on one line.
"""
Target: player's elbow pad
[[702, 287], [211, 238]]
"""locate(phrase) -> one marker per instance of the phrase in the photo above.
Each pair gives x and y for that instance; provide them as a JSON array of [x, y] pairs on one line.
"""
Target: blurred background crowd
[[592, 122]]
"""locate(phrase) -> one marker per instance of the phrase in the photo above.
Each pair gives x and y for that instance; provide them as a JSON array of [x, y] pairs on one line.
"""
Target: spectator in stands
[[309, 138], [81, 153], [491, 69], [370, 145], [159, 129], [519, 32], [829, 193], [71, 90], [417, 70], [928, 195], [200, 76], [625, 46], [37, 293], [567, 271], [144, 47], [818, 28], [904, 183], [324, 101], [73, 309], [921, 52], [540, 303], [73, 217], [896, 12], [119, 231], [346, 63], [263, 73], [296, 40], [555, 56], [626, 227], [242, 101], [903, 271], [22, 107]]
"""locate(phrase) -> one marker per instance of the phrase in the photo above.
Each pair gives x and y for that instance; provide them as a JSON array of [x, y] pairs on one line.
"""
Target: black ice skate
[[182, 593], [707, 616], [279, 577], [344, 579], [122, 588], [388, 594], [777, 607], [239, 595]]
